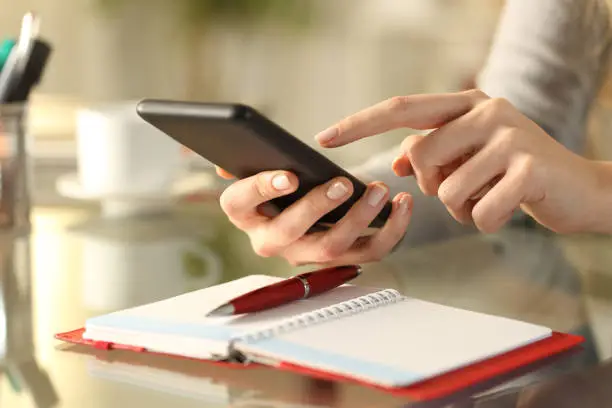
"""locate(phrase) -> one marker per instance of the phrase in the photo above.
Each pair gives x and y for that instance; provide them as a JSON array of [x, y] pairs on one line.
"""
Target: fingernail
[[337, 190], [326, 135], [281, 182], [405, 202], [376, 194]]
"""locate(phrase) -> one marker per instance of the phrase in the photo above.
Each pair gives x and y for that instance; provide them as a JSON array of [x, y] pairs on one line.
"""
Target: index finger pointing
[[414, 111]]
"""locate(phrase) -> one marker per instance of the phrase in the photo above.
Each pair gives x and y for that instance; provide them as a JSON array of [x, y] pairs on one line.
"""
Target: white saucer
[[115, 205]]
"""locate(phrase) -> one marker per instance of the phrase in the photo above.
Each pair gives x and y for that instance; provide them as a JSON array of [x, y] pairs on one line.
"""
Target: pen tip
[[222, 311]]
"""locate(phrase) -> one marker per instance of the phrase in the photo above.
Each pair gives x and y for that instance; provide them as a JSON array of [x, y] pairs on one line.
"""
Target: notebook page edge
[[127, 325], [165, 344], [279, 349]]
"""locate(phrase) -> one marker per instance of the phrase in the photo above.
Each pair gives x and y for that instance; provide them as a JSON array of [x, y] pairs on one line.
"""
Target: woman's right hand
[[286, 235]]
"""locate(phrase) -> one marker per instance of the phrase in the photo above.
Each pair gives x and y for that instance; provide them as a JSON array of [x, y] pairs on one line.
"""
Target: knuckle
[[226, 202], [476, 94], [487, 226], [448, 196], [427, 183], [287, 234], [263, 249], [506, 139], [314, 206], [330, 251], [261, 187], [484, 220], [492, 110], [412, 147], [526, 170], [499, 105], [361, 219], [526, 165]]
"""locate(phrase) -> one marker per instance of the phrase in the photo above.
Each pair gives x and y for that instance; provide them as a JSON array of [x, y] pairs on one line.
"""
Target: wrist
[[602, 209]]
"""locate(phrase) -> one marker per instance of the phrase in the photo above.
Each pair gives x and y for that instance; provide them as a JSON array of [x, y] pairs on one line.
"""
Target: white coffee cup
[[119, 154]]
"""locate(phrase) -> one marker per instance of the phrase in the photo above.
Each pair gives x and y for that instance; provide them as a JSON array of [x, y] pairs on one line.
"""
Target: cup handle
[[213, 269]]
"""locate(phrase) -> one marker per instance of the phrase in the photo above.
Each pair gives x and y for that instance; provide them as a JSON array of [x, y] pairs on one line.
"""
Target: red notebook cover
[[433, 388]]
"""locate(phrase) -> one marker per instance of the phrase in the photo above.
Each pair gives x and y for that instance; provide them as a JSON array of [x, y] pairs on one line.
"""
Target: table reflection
[[126, 263], [585, 388], [18, 364], [86, 266], [195, 382]]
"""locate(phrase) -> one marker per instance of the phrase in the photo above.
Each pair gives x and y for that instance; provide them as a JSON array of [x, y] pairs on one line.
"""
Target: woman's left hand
[[484, 159]]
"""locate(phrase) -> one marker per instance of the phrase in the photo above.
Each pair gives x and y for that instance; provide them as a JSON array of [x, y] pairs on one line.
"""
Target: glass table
[[76, 265]]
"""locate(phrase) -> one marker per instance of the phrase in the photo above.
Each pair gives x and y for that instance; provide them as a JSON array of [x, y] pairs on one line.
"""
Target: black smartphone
[[244, 142]]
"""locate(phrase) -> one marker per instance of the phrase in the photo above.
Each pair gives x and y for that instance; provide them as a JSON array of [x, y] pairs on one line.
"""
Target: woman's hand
[[484, 160], [285, 234]]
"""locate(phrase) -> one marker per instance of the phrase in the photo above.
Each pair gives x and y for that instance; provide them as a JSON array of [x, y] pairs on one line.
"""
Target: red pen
[[298, 287]]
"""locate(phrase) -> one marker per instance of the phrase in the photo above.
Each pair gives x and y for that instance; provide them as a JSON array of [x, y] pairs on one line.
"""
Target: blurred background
[[306, 63]]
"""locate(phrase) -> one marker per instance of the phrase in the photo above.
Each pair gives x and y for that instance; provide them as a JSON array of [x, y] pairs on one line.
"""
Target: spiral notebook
[[374, 336]]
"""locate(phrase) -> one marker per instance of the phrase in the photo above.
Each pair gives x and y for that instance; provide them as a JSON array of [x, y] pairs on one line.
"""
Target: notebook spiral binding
[[343, 309]]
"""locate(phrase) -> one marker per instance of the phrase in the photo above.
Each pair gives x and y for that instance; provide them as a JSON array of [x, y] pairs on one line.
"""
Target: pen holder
[[14, 180]]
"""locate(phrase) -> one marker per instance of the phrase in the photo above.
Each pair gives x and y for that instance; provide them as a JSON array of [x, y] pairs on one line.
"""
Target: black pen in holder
[[14, 180], [25, 64], [32, 73]]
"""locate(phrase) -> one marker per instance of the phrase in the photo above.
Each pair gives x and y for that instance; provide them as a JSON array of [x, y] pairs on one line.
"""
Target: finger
[[293, 223], [446, 147], [448, 169], [241, 200], [415, 111], [497, 206], [401, 165], [384, 240], [224, 173], [471, 180], [363, 249], [409, 149], [346, 231], [465, 134]]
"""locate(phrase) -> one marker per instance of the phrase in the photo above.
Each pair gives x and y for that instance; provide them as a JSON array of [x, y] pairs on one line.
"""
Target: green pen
[[5, 50]]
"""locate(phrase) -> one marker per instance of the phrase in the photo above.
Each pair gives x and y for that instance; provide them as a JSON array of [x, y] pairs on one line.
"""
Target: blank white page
[[400, 343], [179, 325]]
